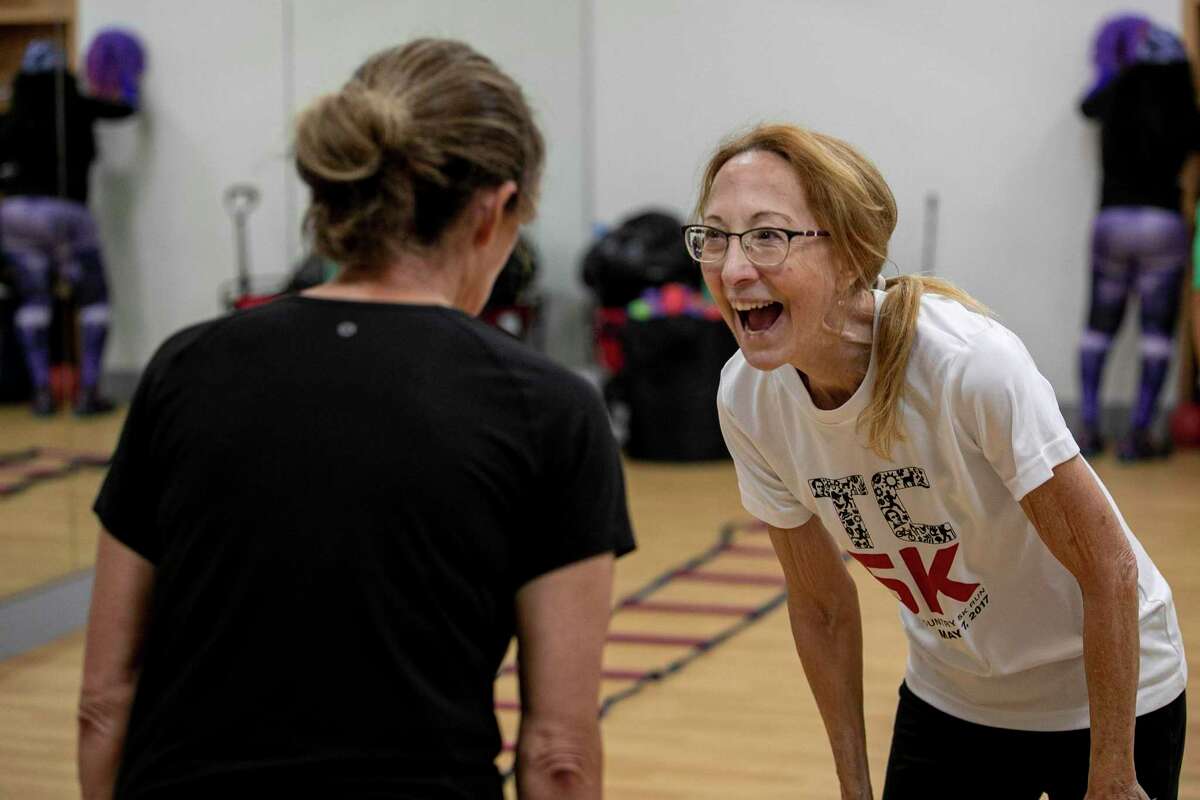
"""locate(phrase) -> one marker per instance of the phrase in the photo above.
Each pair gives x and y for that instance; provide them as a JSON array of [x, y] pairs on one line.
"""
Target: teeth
[[748, 305]]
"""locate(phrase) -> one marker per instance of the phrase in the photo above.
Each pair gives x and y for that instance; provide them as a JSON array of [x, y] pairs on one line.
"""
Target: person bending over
[[896, 422], [47, 232]]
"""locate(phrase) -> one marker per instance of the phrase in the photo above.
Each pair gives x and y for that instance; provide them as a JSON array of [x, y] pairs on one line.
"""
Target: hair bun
[[397, 155], [343, 137]]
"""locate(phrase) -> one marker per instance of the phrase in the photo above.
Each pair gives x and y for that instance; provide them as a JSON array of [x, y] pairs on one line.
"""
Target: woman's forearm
[[1110, 657], [117, 622], [1079, 526], [829, 643], [103, 719], [559, 760]]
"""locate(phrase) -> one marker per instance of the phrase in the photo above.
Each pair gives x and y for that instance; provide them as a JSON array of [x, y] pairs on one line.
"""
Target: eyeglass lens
[[763, 246]]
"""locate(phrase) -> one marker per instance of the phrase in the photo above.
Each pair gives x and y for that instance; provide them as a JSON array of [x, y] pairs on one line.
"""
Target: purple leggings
[[1142, 250], [45, 237]]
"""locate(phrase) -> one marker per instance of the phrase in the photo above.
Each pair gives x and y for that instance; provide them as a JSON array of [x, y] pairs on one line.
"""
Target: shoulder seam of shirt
[[465, 323], [211, 324], [950, 362], [968, 341]]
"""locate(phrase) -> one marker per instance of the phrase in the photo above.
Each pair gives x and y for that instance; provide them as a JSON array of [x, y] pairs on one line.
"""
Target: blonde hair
[[849, 197], [394, 157]]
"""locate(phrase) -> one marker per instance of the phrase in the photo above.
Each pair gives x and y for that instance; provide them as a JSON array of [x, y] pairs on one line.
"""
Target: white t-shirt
[[994, 621]]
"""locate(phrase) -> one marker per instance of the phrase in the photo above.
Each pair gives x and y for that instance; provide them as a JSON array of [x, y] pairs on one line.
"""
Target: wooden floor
[[47, 530], [737, 723]]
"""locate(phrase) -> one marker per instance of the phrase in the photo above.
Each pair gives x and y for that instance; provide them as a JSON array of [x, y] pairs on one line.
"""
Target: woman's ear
[[491, 209]]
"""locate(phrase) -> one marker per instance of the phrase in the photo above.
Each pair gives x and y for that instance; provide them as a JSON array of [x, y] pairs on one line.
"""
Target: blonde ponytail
[[893, 344]]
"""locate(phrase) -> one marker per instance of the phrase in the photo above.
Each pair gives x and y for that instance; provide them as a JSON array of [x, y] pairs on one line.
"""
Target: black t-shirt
[[1149, 124], [341, 500], [30, 141]]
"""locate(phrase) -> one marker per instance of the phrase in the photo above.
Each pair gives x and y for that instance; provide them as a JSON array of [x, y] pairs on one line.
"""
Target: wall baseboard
[[119, 384], [40, 615]]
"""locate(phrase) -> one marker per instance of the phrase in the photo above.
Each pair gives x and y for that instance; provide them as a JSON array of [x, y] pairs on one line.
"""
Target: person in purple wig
[[47, 145], [1144, 100]]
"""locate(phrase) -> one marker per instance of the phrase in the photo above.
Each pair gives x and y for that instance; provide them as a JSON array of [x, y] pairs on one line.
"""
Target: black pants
[[936, 756]]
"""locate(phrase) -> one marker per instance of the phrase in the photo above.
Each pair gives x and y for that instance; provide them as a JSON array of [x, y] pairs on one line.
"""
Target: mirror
[[54, 441]]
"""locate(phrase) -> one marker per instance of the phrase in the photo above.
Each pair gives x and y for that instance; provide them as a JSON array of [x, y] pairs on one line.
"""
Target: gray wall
[[975, 101]]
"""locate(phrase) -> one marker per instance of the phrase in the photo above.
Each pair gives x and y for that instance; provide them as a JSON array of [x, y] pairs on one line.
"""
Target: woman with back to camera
[[898, 416], [47, 231], [327, 516], [1145, 102]]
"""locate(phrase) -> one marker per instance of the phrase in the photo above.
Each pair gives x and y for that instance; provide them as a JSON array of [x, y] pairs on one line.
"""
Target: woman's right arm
[[562, 620], [117, 620], [827, 627]]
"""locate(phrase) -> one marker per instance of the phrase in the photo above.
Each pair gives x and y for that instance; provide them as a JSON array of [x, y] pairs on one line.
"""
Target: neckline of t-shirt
[[850, 409], [388, 305]]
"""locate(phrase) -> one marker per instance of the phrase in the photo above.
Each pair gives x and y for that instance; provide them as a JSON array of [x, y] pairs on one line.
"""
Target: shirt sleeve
[[1008, 409], [129, 495], [764, 494], [128, 502], [1095, 104], [583, 510]]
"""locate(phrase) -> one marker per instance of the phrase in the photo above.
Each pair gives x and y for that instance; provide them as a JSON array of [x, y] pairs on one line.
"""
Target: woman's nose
[[737, 268]]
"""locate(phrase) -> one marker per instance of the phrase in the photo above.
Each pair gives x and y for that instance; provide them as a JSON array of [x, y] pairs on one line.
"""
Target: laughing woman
[[896, 421]]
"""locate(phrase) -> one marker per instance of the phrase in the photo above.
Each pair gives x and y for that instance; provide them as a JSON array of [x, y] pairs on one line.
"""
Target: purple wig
[[1116, 46], [115, 60]]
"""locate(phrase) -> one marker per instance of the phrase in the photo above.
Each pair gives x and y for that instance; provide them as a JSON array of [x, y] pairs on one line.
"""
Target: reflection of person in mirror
[[1145, 104], [894, 421], [48, 234]]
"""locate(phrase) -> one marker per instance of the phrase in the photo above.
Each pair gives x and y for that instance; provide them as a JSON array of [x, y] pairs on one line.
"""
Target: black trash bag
[[644, 251], [669, 384], [312, 270]]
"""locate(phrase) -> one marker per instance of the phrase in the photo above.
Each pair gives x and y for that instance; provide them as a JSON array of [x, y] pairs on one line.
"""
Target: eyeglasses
[[764, 247]]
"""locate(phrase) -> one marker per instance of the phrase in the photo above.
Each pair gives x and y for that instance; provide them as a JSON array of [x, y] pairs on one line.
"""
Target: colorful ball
[[640, 310], [674, 299]]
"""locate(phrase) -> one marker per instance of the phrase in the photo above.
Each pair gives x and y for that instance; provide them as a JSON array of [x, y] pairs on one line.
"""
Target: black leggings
[[936, 756]]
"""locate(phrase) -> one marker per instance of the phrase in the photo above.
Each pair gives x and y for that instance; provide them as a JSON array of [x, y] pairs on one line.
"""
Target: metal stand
[[240, 200]]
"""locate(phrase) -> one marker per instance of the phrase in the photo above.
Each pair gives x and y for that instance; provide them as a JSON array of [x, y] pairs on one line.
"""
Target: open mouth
[[761, 317]]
